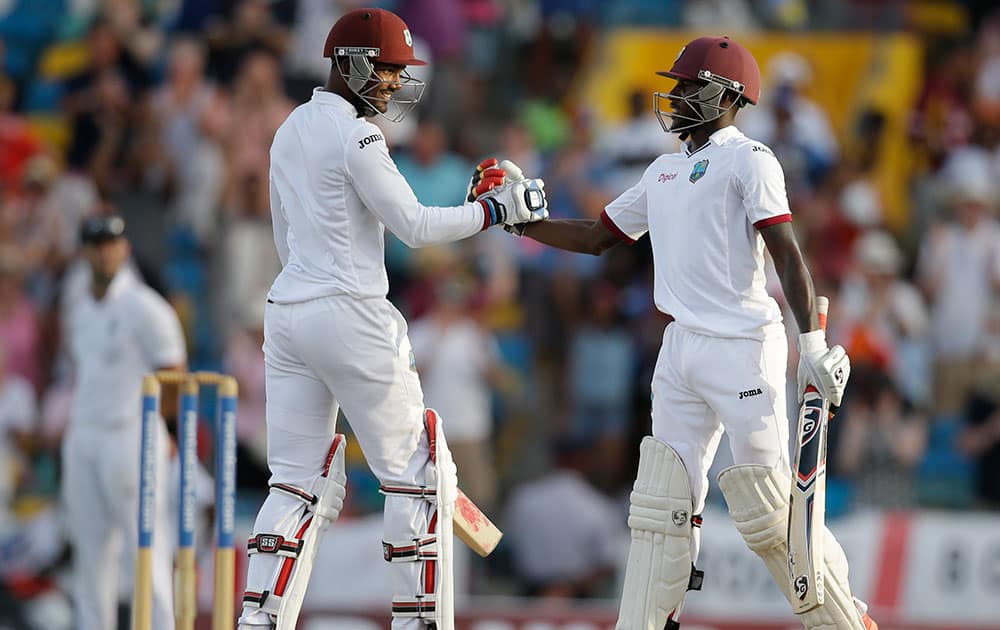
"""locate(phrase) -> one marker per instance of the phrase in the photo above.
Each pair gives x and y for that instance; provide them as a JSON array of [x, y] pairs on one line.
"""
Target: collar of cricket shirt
[[718, 137], [323, 97]]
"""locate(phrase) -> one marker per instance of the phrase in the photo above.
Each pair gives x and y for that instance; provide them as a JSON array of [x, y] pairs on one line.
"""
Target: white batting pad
[[282, 552], [659, 559], [444, 475], [758, 502], [433, 599]]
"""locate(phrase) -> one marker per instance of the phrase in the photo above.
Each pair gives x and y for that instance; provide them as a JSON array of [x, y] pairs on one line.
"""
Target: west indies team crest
[[699, 171]]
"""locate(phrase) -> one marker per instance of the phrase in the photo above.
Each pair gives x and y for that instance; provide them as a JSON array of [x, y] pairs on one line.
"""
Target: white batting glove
[[826, 369], [512, 170], [516, 202], [514, 174]]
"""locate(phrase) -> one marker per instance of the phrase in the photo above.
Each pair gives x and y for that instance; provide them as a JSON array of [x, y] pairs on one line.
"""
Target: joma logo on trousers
[[751, 392]]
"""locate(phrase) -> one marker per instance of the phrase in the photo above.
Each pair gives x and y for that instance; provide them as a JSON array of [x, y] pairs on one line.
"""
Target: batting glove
[[514, 174], [826, 369], [485, 178], [516, 202]]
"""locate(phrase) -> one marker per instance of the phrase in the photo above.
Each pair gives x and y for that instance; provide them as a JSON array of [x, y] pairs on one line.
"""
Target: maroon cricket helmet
[[382, 34], [721, 60]]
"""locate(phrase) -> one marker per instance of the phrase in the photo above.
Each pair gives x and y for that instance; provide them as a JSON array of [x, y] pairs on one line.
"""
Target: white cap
[[876, 250], [968, 175], [789, 68], [860, 204]]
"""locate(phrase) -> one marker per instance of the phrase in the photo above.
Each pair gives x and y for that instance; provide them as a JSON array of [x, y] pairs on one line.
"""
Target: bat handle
[[822, 308]]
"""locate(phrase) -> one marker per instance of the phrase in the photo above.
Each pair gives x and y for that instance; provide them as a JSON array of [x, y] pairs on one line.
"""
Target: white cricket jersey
[[334, 190], [114, 342], [702, 210]]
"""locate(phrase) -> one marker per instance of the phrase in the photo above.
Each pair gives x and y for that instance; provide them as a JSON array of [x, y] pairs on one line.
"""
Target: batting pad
[[758, 502], [282, 555], [434, 597], [659, 559]]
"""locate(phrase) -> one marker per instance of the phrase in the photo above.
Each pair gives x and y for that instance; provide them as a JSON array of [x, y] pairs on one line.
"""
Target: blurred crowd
[[163, 112]]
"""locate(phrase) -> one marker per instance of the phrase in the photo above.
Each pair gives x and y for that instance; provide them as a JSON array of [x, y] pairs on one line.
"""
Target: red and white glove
[[486, 177]]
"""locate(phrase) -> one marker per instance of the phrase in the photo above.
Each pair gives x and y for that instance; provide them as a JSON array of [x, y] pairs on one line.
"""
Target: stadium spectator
[[19, 318], [959, 270], [881, 442], [557, 512], [459, 364], [980, 440], [18, 142], [250, 26], [191, 158], [18, 426], [788, 119], [601, 367], [882, 317]]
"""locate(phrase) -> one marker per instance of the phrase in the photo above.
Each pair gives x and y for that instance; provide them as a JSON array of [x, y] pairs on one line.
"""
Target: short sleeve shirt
[[114, 342], [703, 210]]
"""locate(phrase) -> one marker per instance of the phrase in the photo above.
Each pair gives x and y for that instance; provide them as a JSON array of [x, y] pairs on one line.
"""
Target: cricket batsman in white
[[710, 211], [332, 339]]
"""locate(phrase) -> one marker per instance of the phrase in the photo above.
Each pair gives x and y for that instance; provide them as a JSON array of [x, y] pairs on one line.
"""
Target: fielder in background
[[115, 332], [710, 210], [332, 339]]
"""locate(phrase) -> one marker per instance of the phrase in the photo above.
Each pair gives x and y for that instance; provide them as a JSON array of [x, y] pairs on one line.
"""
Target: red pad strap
[[286, 566]]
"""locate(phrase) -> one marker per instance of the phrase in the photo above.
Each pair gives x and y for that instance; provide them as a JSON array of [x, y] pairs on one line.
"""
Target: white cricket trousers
[[353, 354], [100, 494], [705, 385]]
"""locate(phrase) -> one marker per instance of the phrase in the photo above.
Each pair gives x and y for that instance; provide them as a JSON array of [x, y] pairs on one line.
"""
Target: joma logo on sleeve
[[375, 137]]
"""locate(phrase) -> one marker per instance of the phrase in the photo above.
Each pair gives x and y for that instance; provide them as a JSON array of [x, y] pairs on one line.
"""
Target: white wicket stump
[[225, 506], [142, 601], [185, 596], [224, 421]]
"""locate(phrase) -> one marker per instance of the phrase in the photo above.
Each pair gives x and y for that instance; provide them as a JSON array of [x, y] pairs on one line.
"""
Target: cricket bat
[[807, 503], [473, 527]]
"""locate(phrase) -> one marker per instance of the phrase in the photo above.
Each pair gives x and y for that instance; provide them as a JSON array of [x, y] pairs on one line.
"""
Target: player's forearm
[[431, 225], [797, 284], [574, 235], [795, 278]]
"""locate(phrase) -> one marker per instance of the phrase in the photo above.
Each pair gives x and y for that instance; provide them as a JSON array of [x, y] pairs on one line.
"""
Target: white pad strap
[[298, 547], [415, 550], [421, 606], [659, 568], [758, 502]]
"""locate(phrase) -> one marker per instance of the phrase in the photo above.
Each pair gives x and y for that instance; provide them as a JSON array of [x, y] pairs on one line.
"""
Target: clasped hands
[[510, 198]]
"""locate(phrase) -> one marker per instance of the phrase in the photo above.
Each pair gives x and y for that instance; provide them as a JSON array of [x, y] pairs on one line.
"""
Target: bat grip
[[822, 308]]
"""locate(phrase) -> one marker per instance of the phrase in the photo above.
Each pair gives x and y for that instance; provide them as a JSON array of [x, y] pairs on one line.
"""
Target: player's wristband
[[493, 210]]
